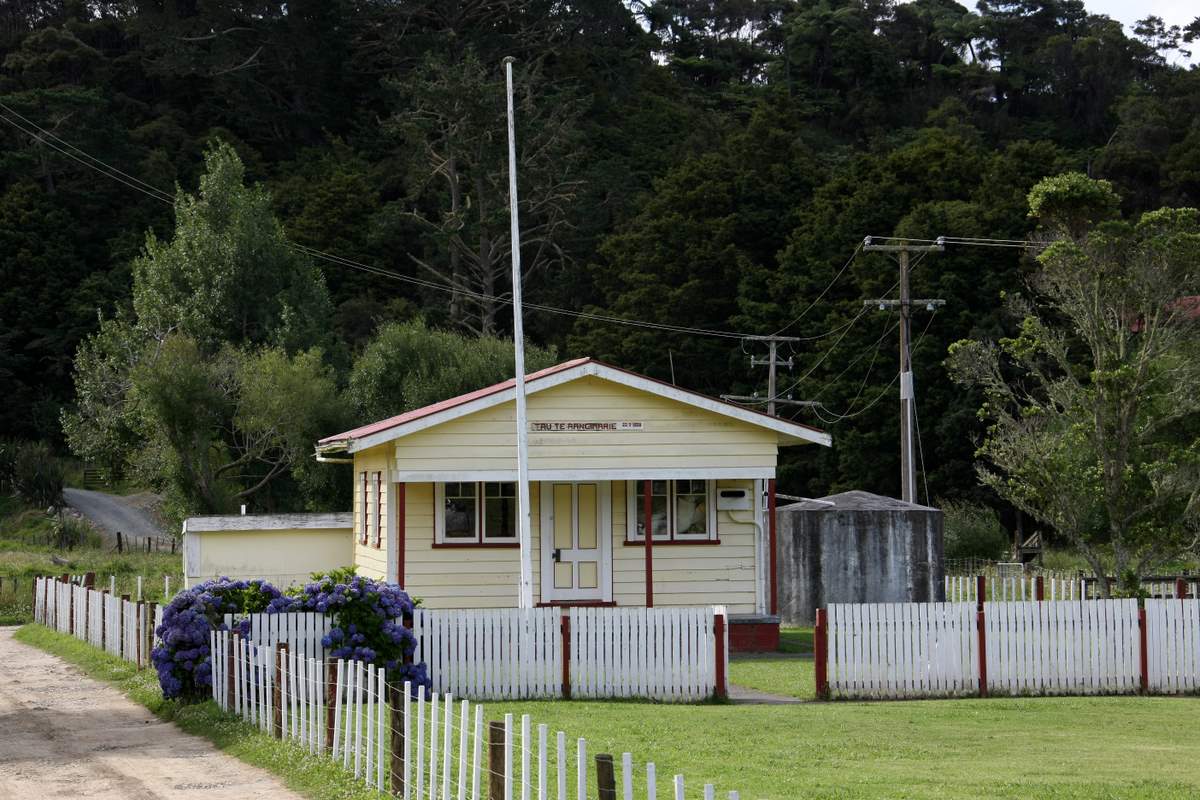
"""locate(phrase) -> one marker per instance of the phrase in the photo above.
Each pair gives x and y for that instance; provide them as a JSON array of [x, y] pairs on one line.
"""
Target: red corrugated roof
[[443, 405]]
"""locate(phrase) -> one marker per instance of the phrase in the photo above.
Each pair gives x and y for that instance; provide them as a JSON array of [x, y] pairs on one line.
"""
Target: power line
[[836, 277], [836, 418], [132, 182]]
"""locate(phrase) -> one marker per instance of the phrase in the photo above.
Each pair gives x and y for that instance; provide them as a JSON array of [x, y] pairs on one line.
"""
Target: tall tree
[[1092, 405]]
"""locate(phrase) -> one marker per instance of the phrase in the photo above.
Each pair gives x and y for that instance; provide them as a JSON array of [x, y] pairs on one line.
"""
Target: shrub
[[971, 530], [365, 626], [183, 660], [37, 475]]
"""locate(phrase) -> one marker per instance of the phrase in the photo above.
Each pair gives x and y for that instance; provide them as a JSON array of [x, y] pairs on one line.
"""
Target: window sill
[[672, 542], [476, 545]]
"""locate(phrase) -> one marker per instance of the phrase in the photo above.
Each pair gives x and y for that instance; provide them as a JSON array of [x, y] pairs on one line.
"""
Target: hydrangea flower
[[183, 660]]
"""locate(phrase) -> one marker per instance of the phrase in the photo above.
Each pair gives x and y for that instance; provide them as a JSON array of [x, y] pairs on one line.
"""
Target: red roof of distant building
[[1186, 307]]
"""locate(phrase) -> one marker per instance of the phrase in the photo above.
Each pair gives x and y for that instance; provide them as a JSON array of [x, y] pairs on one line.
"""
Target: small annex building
[[283, 549], [435, 500]]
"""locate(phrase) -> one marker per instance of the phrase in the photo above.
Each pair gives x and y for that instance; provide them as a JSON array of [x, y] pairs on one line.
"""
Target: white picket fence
[[965, 589], [1055, 586], [1063, 648], [1173, 646], [668, 654], [888, 650], [301, 632], [1027, 648], [421, 746], [123, 628]]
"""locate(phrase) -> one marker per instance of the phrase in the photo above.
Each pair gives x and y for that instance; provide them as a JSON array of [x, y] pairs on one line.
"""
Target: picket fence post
[[980, 626], [821, 654], [496, 746], [1143, 652], [722, 689], [565, 629], [606, 778]]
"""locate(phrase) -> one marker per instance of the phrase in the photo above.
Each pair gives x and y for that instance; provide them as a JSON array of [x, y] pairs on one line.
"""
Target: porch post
[[773, 600], [647, 519], [399, 538]]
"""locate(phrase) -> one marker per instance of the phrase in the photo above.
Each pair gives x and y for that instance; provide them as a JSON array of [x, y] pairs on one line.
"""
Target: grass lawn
[[317, 778]]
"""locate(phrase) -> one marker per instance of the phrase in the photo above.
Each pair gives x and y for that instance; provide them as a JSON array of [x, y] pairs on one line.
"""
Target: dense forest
[[705, 170]]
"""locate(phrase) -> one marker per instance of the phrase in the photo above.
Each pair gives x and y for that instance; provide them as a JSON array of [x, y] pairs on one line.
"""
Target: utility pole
[[908, 471], [770, 362]]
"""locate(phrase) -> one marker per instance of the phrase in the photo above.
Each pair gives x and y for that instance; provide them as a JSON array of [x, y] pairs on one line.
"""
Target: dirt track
[[112, 513], [66, 735]]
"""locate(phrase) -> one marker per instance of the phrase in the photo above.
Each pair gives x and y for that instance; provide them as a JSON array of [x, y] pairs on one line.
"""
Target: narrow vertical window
[[363, 518], [378, 510]]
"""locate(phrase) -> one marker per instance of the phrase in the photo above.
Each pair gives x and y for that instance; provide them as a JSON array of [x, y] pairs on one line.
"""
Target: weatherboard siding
[[487, 577], [371, 561], [282, 556], [674, 436]]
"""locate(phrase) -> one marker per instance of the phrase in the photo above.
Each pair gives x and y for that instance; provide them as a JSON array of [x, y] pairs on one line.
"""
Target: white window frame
[[633, 514], [481, 539]]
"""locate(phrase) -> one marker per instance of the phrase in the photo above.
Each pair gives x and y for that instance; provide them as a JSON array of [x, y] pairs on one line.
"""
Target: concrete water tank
[[856, 547]]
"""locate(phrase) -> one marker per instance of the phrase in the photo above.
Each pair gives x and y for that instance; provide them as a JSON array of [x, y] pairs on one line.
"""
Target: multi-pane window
[[479, 513], [679, 510]]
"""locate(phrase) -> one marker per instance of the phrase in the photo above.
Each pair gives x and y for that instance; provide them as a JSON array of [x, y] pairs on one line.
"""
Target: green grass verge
[[304, 774], [783, 674], [796, 640]]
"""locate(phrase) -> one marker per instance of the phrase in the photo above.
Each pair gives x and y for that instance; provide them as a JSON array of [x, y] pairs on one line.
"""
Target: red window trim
[[364, 520], [378, 510], [672, 542]]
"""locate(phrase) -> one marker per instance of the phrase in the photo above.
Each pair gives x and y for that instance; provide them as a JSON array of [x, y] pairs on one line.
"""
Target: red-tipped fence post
[[722, 690], [1180, 589], [1143, 652], [821, 656], [566, 655], [979, 623], [980, 586], [1040, 583]]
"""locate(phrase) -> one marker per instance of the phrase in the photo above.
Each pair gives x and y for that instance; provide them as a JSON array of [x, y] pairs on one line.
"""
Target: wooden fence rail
[[1055, 586], [1015, 648], [411, 744]]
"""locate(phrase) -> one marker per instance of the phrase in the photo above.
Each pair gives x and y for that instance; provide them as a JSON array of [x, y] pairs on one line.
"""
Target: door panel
[[576, 556]]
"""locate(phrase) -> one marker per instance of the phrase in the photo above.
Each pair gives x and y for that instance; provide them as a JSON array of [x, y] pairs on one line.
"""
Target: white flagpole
[[525, 590]]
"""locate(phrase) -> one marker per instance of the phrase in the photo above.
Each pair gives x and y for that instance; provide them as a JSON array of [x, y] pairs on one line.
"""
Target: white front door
[[576, 535]]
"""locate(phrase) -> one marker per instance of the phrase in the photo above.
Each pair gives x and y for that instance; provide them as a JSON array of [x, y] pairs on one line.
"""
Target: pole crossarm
[[743, 398], [929, 303]]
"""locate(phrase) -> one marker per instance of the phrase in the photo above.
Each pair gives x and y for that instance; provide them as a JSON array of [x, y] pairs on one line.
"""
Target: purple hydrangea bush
[[183, 660], [366, 624]]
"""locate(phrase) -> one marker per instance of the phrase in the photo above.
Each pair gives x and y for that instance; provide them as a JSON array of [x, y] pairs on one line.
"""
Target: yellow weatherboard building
[[435, 506]]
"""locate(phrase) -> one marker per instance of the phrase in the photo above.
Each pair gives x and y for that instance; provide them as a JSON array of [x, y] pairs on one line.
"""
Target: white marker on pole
[[525, 589]]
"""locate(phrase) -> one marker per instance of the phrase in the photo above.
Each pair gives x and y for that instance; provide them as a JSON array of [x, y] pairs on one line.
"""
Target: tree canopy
[[695, 169]]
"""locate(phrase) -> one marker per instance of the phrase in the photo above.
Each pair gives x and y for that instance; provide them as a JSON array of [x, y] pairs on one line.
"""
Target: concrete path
[[65, 735], [112, 514], [744, 695]]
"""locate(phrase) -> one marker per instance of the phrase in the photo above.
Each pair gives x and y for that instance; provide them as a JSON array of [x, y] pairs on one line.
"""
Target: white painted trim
[[268, 522], [621, 377], [761, 542], [439, 511], [510, 475], [633, 512], [393, 550], [604, 536]]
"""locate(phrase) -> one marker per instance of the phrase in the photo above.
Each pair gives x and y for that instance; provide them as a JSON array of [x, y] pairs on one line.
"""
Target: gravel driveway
[[65, 735], [111, 514]]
